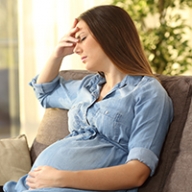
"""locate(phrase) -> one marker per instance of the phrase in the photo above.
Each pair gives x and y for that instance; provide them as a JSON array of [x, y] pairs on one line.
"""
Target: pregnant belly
[[74, 154]]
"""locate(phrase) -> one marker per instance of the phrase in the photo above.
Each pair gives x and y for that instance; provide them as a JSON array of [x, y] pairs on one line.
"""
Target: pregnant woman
[[118, 116]]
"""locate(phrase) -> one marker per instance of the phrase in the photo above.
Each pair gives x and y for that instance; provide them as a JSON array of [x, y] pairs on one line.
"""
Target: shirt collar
[[99, 80]]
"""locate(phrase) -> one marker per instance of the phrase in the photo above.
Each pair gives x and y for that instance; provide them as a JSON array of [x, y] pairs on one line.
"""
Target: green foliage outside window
[[166, 41]]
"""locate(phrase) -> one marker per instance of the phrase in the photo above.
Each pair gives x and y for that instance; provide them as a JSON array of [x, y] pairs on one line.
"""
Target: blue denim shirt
[[130, 123]]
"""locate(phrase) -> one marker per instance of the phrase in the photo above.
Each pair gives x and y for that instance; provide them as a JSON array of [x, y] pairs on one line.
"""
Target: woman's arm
[[64, 48], [126, 176]]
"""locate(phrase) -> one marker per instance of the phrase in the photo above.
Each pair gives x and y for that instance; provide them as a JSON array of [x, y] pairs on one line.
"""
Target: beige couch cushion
[[14, 158]]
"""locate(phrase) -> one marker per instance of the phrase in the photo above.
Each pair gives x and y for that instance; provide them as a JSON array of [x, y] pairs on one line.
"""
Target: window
[[9, 76]]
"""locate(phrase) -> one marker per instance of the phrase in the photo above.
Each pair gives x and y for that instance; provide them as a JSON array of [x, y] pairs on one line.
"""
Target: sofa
[[174, 171]]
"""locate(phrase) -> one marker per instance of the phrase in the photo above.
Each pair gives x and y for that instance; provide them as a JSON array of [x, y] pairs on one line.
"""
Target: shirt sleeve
[[153, 114], [58, 93]]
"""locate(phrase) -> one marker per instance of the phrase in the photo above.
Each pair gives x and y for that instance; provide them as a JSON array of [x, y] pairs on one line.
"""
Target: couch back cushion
[[179, 89], [179, 178], [54, 127]]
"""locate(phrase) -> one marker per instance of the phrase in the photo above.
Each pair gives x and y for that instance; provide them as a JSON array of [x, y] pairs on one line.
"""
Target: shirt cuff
[[145, 156], [44, 87]]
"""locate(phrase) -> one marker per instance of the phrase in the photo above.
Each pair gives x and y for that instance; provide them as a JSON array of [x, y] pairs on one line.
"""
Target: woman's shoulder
[[146, 85], [152, 83], [142, 81]]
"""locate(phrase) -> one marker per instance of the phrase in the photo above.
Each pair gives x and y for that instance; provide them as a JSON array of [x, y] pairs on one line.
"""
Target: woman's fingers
[[74, 28], [73, 31], [67, 43], [75, 22], [42, 177], [68, 39]]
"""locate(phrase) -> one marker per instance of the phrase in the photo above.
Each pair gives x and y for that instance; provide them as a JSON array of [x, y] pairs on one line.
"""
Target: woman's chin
[[91, 69]]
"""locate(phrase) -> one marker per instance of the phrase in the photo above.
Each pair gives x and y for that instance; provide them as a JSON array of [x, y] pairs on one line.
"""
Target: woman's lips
[[83, 59]]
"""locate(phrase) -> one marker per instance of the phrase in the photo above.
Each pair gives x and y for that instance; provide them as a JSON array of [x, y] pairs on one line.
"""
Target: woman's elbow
[[140, 173], [141, 179]]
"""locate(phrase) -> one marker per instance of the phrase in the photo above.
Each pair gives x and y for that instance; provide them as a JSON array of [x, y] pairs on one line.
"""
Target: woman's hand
[[65, 47], [67, 43], [43, 177]]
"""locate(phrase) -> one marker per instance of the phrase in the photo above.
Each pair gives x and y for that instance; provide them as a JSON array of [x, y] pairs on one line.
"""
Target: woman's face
[[91, 53]]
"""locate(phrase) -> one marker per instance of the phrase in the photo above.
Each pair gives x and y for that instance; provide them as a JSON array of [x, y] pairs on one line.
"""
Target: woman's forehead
[[82, 26]]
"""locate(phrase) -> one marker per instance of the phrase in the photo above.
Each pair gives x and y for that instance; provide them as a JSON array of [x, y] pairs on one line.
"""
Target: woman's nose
[[77, 49]]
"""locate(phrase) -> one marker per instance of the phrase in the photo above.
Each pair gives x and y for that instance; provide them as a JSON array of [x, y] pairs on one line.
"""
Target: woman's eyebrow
[[77, 35]]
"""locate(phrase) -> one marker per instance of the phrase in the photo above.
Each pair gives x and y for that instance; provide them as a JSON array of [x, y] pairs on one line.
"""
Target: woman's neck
[[111, 81], [113, 78]]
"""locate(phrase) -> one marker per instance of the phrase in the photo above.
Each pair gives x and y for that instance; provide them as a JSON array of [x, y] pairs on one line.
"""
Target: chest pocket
[[109, 123]]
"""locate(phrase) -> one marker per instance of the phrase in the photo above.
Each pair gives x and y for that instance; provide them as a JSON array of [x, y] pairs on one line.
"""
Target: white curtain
[[41, 24]]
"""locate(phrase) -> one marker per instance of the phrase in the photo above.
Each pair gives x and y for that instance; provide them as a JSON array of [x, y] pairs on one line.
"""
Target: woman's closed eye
[[82, 39]]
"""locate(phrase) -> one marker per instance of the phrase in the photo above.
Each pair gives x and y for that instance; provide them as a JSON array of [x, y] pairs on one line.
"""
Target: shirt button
[[106, 112]]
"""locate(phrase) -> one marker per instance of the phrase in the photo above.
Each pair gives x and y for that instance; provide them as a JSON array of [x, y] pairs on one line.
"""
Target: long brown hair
[[116, 33]]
